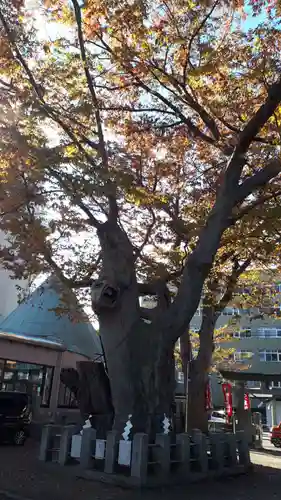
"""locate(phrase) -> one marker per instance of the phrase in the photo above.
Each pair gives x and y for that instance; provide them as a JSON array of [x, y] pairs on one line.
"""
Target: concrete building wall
[[27, 353]]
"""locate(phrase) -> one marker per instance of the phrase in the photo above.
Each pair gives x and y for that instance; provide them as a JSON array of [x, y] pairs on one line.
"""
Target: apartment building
[[256, 352]]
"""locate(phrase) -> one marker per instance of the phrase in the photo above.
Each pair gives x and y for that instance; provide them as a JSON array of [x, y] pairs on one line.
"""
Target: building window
[[242, 355], [273, 355], [253, 384], [26, 377], [47, 386], [275, 385], [66, 398], [269, 332], [243, 334]]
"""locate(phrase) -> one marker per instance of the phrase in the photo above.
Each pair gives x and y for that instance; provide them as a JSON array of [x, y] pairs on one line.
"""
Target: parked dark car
[[15, 417]]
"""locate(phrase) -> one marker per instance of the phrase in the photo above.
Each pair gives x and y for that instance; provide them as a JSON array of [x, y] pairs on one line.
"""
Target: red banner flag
[[247, 402], [227, 393]]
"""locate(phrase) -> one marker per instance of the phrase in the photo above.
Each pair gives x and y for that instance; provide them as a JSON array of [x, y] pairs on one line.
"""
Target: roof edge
[[32, 340]]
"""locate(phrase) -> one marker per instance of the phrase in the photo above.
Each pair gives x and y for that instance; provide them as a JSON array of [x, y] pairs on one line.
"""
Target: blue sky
[[251, 22]]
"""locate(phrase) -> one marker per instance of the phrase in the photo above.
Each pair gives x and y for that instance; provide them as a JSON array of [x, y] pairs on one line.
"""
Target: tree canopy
[[140, 102], [140, 142]]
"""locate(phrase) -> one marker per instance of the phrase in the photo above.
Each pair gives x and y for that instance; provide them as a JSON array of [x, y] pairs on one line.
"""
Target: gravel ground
[[25, 478]]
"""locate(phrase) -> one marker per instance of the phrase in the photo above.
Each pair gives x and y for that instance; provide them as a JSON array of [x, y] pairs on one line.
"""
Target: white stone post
[[65, 443], [44, 443], [87, 447], [163, 453], [139, 458], [111, 451], [230, 440], [200, 442], [183, 441], [243, 449], [217, 450]]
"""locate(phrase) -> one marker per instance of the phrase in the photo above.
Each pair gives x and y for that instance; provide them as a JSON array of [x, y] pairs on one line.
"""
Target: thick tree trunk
[[139, 361], [197, 413], [199, 370], [142, 375], [94, 396], [90, 386], [244, 417]]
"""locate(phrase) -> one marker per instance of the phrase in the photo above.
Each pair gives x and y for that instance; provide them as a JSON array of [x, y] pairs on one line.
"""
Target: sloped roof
[[36, 318]]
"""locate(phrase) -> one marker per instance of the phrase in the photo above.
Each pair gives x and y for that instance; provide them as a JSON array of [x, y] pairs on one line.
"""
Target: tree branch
[[260, 118], [196, 132], [148, 234], [87, 281], [231, 284], [195, 34], [258, 180], [38, 90], [256, 203], [201, 259], [77, 199], [113, 207], [188, 99]]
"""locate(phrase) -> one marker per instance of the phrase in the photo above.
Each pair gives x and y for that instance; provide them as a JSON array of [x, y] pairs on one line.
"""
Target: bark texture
[[199, 369], [197, 414], [139, 359], [90, 386]]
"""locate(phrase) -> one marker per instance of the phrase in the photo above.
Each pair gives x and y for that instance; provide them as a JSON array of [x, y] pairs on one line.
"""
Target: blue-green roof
[[36, 318]]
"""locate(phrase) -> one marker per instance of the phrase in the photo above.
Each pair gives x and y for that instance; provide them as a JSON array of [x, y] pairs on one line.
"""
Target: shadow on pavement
[[266, 451]]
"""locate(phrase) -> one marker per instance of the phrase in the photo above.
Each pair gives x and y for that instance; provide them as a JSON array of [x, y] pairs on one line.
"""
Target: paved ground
[[22, 475]]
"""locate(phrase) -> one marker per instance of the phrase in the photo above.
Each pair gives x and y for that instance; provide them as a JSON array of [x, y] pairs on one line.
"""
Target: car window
[[14, 403], [216, 414]]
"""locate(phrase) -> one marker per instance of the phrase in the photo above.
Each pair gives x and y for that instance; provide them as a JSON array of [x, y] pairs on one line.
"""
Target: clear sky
[[251, 22]]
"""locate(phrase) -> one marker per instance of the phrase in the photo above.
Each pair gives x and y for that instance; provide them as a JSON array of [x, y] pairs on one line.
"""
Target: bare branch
[[77, 199], [113, 208], [195, 34], [195, 131], [87, 281], [256, 203], [50, 112], [260, 118], [258, 180], [148, 234], [200, 261], [188, 99], [231, 285]]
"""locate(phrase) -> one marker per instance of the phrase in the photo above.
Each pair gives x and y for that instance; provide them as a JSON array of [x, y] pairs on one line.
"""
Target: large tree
[[133, 137]]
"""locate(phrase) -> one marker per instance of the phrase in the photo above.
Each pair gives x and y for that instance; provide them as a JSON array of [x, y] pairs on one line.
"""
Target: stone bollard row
[[217, 453]]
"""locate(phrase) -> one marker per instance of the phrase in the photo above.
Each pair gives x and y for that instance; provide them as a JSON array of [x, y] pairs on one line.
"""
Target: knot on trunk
[[104, 295]]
